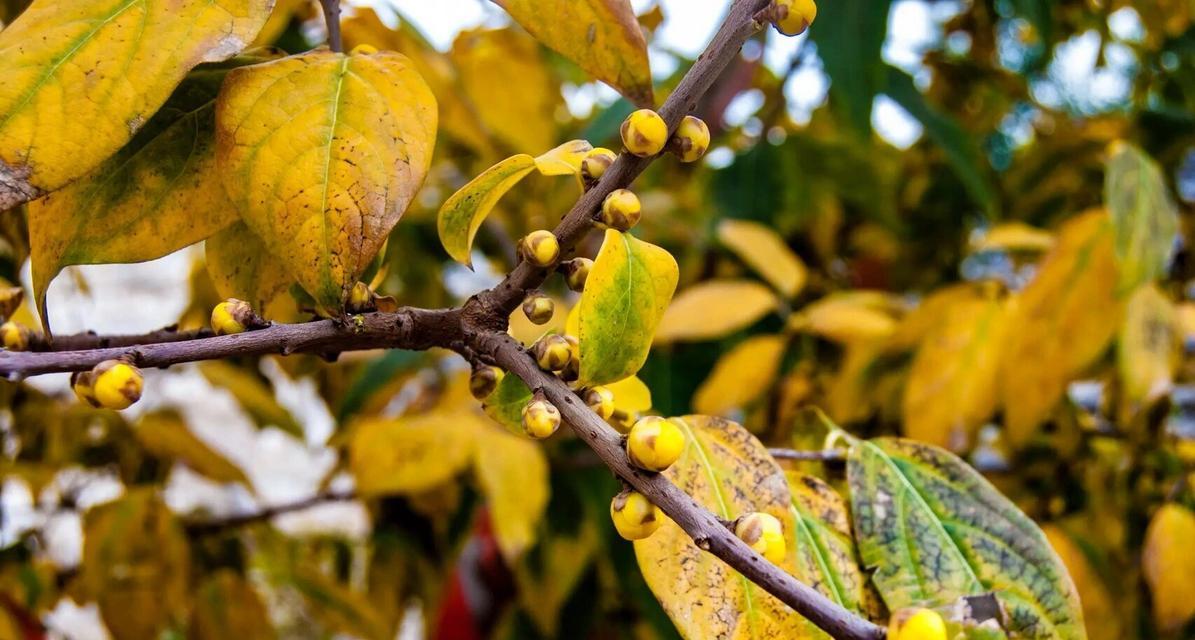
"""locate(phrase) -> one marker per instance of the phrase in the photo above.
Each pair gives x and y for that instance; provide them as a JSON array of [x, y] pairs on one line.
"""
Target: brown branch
[[332, 20], [198, 526], [706, 530], [92, 340]]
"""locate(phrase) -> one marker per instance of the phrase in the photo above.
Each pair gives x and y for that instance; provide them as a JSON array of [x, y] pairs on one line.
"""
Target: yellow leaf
[[82, 76], [280, 18], [1148, 349], [136, 559], [158, 194], [1169, 565], [714, 309], [625, 296], [227, 607], [463, 212], [527, 332], [726, 470], [241, 267], [1100, 612], [855, 316], [952, 385], [765, 251], [1060, 324], [1013, 237], [602, 37], [741, 376], [165, 435], [513, 474], [631, 395], [321, 153], [337, 607], [505, 404], [490, 63], [410, 454], [253, 393], [564, 160]]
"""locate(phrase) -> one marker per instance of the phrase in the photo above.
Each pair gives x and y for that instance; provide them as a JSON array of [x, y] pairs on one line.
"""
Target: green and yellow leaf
[[715, 309], [227, 607], [463, 212], [337, 607], [563, 160], [765, 251], [505, 404], [1144, 216], [241, 267], [1149, 347]]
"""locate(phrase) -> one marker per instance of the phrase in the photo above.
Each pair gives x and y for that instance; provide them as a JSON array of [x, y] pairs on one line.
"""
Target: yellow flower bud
[[16, 336], [360, 299], [117, 384], [540, 248], [793, 17], [763, 533], [539, 309], [540, 419], [601, 400], [634, 516], [654, 443], [235, 316], [644, 133], [924, 624], [621, 210], [691, 140], [83, 383], [484, 380], [594, 166], [576, 272], [552, 352]]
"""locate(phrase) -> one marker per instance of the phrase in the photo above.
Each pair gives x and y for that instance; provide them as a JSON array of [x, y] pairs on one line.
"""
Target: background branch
[[199, 526], [332, 20]]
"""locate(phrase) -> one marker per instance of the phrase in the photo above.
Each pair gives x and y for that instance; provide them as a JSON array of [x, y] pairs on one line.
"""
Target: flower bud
[[634, 516], [576, 272], [644, 133], [83, 383], [621, 210], [654, 443], [691, 140], [552, 352], [539, 309], [763, 533], [235, 316], [793, 17], [594, 166], [540, 248], [484, 380], [924, 624], [16, 336], [601, 400], [117, 384], [540, 419], [360, 299]]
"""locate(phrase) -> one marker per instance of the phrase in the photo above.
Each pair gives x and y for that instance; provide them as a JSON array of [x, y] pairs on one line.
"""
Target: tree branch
[[92, 340], [332, 20], [821, 455], [266, 513]]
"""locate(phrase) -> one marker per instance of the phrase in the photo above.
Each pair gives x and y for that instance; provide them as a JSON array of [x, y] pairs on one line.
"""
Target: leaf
[[463, 212], [741, 376], [158, 194], [135, 559], [631, 395], [254, 395], [952, 385], [823, 544], [1169, 565], [166, 436], [241, 267], [933, 530], [82, 76], [549, 574], [962, 153], [1144, 216], [765, 251], [726, 470], [1149, 347], [1051, 323], [321, 153], [411, 454], [505, 404], [603, 37], [714, 309], [512, 472], [337, 607], [847, 317], [489, 63], [856, 71], [626, 293], [1100, 610], [564, 160], [227, 607], [1014, 237]]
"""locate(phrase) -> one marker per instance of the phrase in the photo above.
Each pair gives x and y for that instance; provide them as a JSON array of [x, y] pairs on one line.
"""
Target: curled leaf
[[463, 212]]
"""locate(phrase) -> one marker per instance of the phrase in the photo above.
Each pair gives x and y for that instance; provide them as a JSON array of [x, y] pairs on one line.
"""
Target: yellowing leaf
[[136, 559], [1059, 324], [82, 76], [321, 153], [227, 607], [714, 309], [512, 472], [1014, 237], [765, 251], [740, 376], [337, 607], [726, 470], [1101, 612], [165, 435], [602, 36], [410, 454], [856, 316], [631, 395], [241, 267], [492, 62], [505, 404], [1169, 565], [253, 393], [564, 160], [625, 296], [527, 332], [1148, 349], [463, 212], [951, 388], [932, 530], [823, 543], [1144, 216]]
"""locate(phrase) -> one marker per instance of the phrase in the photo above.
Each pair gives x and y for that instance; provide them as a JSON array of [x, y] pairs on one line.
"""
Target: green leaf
[[1144, 215], [822, 542], [962, 153], [463, 212], [849, 36], [506, 403], [933, 530], [626, 294]]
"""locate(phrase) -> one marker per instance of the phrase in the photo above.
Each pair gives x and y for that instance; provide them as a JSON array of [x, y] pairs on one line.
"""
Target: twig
[[267, 513], [92, 340], [332, 20]]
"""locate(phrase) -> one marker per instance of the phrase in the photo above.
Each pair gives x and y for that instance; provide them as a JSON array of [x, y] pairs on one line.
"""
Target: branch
[[267, 513], [332, 20], [705, 529], [821, 455], [92, 340]]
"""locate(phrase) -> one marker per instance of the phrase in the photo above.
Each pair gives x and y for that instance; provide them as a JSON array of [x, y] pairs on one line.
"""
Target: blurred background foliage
[[970, 282]]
